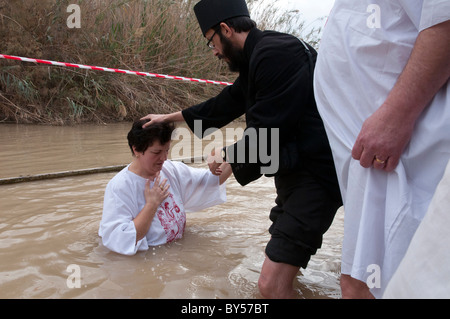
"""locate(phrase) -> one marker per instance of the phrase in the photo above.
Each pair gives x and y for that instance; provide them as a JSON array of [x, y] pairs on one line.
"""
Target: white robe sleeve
[[433, 13], [199, 188], [117, 227], [426, 13]]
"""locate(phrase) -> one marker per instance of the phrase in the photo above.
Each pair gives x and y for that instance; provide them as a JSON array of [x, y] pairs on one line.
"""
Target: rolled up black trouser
[[304, 212]]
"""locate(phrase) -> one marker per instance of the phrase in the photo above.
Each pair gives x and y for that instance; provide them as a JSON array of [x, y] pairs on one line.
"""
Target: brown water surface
[[47, 226]]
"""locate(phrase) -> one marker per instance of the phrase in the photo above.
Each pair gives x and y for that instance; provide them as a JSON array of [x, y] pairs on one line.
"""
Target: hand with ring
[[378, 162], [382, 139]]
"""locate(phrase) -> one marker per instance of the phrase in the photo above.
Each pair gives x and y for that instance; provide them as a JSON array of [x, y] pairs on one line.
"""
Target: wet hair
[[143, 138]]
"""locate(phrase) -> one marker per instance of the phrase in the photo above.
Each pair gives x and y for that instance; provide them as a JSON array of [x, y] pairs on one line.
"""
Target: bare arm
[[226, 172], [386, 133], [217, 166]]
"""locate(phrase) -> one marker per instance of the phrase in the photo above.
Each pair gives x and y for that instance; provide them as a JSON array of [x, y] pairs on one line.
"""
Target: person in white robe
[[145, 204], [424, 271], [381, 86]]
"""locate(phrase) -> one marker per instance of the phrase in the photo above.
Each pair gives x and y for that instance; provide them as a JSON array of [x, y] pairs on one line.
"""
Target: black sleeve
[[217, 111]]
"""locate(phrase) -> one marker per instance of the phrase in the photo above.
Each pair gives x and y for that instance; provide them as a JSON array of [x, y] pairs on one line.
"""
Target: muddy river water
[[49, 246]]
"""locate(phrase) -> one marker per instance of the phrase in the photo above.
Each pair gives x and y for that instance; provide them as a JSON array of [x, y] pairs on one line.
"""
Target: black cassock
[[275, 90]]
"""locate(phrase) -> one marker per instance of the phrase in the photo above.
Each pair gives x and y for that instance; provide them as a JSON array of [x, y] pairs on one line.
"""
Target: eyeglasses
[[209, 44]]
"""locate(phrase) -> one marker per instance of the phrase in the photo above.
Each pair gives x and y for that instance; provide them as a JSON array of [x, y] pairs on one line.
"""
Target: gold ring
[[379, 161], [162, 188]]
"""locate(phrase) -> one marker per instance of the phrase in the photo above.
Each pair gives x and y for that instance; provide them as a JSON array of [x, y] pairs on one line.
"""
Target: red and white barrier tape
[[98, 68]]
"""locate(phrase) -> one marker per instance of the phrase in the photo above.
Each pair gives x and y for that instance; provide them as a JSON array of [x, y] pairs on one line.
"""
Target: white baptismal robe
[[424, 271], [191, 189], [364, 48]]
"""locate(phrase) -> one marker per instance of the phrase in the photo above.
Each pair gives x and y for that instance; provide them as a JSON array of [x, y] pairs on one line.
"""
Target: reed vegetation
[[158, 36]]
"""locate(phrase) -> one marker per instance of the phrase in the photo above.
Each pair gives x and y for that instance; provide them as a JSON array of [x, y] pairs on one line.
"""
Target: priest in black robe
[[274, 91]]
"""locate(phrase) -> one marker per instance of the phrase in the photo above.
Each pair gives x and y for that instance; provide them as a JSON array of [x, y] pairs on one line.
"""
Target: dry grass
[[158, 36]]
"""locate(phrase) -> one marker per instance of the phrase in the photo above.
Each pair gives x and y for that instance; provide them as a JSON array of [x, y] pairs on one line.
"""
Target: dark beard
[[234, 55]]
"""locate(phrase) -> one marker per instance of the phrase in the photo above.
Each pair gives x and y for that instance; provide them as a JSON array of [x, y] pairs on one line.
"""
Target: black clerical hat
[[211, 12]]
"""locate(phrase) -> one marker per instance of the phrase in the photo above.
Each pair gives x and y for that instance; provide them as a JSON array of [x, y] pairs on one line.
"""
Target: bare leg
[[354, 289], [276, 280]]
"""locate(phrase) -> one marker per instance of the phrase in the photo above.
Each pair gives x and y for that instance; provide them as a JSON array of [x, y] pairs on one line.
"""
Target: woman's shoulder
[[172, 166], [179, 169], [122, 179]]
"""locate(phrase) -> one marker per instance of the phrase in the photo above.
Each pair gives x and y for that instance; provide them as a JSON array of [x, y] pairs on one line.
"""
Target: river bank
[[147, 36]]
